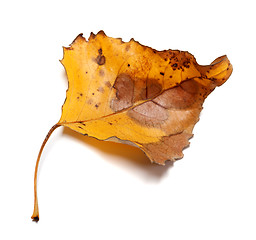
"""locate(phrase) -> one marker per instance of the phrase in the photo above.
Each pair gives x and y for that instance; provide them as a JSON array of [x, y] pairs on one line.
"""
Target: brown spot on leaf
[[168, 148], [124, 92], [149, 113], [108, 84], [100, 59], [174, 66], [100, 89], [90, 101], [179, 97]]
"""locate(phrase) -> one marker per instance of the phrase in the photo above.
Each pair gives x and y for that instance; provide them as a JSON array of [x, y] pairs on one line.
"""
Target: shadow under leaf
[[127, 153]]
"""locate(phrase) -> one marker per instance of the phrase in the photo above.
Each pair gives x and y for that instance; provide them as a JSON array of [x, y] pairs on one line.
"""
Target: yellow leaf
[[130, 93]]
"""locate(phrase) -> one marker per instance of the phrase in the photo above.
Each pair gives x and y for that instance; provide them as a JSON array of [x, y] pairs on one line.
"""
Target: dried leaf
[[130, 93]]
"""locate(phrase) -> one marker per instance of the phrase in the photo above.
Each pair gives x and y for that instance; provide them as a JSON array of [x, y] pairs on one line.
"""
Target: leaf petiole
[[35, 215]]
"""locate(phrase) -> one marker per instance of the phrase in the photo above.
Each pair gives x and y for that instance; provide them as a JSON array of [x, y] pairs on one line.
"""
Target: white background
[[95, 190]]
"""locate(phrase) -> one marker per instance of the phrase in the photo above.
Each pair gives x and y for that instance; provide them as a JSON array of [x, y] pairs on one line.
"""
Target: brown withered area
[[153, 88], [168, 148], [179, 97], [147, 89], [149, 113], [129, 90], [155, 112], [124, 86]]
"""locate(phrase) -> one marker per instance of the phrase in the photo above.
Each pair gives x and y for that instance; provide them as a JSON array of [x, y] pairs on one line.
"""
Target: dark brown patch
[[127, 47], [179, 97], [124, 86], [149, 114], [168, 148], [153, 88], [190, 86], [100, 59], [143, 94]]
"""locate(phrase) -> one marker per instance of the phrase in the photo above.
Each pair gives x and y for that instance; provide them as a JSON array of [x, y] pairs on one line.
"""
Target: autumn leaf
[[129, 93]]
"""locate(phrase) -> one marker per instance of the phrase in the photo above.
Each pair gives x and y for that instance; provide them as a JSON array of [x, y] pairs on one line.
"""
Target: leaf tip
[[218, 71]]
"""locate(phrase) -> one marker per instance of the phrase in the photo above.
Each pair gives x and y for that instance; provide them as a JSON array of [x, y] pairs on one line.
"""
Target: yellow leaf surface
[[130, 93]]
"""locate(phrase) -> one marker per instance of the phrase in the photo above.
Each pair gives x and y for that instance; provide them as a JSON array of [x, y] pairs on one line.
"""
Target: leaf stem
[[35, 215]]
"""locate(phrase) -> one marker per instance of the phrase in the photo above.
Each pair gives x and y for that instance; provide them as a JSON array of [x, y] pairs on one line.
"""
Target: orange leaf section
[[130, 92]]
